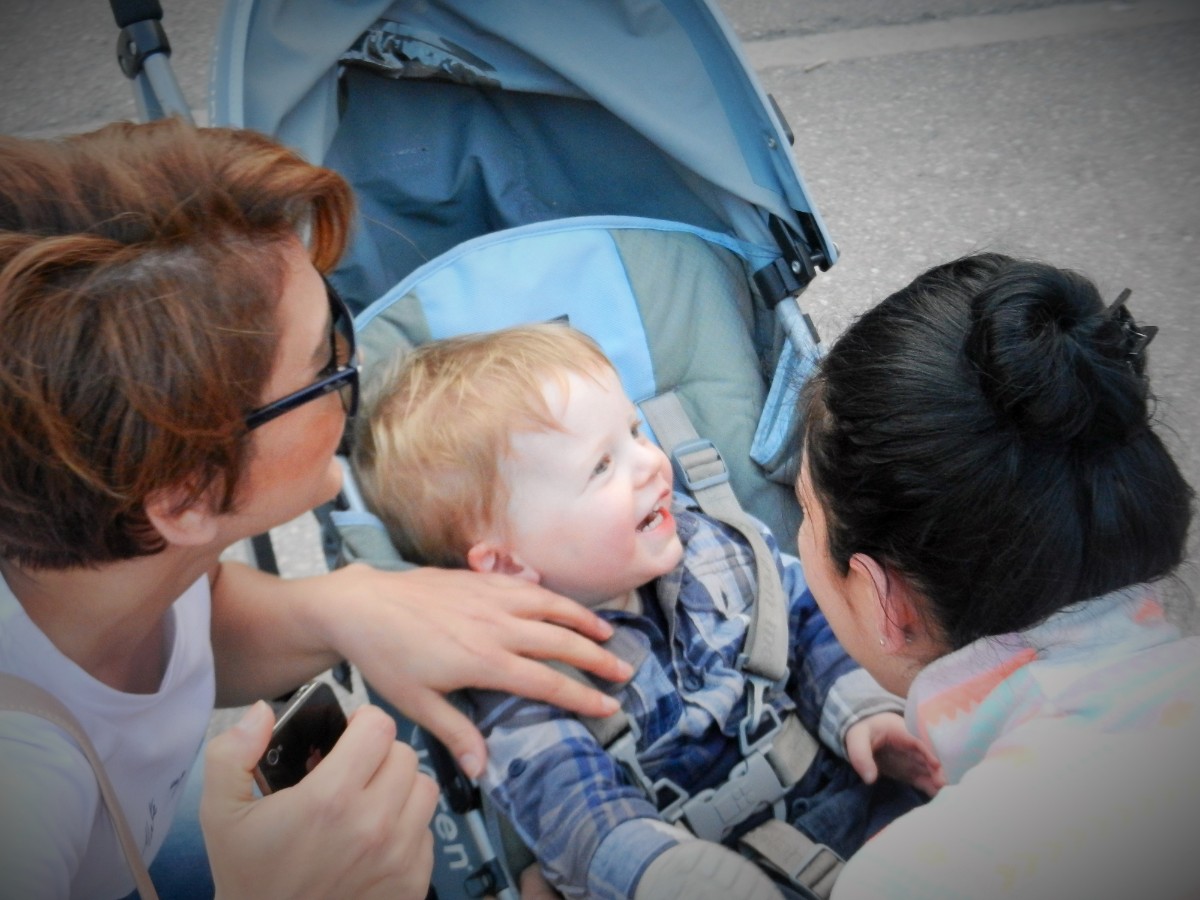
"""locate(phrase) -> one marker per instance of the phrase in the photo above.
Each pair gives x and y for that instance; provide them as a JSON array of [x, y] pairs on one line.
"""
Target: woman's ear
[[897, 619], [181, 521], [486, 556]]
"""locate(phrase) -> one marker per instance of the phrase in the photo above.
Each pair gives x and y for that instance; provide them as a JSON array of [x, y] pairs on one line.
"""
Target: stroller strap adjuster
[[698, 464]]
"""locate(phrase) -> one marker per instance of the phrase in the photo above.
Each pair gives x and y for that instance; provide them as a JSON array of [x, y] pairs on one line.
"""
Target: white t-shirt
[[56, 839]]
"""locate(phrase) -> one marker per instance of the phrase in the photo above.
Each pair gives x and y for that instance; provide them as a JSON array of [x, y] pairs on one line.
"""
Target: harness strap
[[807, 865], [700, 468], [792, 751], [777, 753], [19, 695]]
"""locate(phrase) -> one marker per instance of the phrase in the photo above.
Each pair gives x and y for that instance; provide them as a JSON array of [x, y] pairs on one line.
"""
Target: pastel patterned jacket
[[1072, 752]]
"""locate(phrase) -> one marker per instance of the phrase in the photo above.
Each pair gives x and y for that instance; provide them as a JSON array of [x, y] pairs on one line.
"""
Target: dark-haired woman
[[987, 512]]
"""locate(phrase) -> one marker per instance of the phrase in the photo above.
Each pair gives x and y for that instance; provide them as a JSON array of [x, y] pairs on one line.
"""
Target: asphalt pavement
[[925, 129]]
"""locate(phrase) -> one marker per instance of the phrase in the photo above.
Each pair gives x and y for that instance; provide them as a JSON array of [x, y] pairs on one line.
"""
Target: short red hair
[[140, 271]]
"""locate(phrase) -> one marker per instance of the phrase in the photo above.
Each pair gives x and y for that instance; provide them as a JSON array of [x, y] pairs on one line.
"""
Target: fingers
[[382, 821], [540, 682], [909, 759], [929, 784], [914, 771], [511, 674], [544, 625], [403, 801], [450, 726], [358, 753], [356, 826], [553, 642], [230, 759], [414, 795], [861, 753], [530, 600]]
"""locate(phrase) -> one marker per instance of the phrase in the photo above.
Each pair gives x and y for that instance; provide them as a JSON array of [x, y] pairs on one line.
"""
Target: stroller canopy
[[668, 69]]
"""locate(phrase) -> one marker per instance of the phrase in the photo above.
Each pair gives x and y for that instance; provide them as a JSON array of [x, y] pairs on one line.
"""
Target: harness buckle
[[624, 751], [753, 785], [752, 737]]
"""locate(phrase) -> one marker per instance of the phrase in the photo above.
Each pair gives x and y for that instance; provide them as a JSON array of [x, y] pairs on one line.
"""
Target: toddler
[[518, 452]]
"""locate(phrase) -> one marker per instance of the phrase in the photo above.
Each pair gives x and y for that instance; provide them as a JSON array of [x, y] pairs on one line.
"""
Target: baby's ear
[[485, 556]]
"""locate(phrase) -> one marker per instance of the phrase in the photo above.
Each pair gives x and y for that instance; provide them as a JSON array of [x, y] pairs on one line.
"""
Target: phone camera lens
[[273, 755]]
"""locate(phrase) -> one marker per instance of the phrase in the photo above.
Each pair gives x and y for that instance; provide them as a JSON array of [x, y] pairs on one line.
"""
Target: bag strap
[[19, 695]]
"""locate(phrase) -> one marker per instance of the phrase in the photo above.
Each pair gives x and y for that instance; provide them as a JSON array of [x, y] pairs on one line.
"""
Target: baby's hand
[[881, 744]]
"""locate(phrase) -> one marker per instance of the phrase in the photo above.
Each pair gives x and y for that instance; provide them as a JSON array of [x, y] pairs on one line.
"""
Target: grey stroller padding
[[699, 870]]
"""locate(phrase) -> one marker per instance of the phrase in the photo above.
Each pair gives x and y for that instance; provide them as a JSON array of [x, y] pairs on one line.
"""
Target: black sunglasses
[[341, 374]]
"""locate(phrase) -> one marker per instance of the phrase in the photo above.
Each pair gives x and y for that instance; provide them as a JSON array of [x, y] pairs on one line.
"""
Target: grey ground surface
[[925, 129]]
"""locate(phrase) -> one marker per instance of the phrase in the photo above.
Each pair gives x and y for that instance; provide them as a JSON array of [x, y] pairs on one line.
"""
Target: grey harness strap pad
[[703, 472], [792, 751], [626, 646], [699, 870], [805, 864]]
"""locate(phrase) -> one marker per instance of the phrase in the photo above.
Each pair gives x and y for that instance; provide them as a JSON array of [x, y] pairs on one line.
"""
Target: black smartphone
[[305, 731]]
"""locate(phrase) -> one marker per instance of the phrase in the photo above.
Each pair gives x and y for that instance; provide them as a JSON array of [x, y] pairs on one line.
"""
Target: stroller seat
[[675, 309]]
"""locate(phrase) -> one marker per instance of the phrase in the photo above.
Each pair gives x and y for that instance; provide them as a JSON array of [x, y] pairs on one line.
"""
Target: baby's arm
[[592, 831], [832, 692], [857, 717]]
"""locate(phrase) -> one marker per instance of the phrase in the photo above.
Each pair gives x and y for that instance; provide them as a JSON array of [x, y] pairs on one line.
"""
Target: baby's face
[[590, 504]]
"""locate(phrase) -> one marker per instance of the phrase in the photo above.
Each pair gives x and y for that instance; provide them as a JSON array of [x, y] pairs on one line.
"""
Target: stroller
[[614, 162]]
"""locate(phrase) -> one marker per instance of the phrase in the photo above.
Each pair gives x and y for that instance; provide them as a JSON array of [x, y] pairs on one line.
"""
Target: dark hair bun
[[1052, 361]]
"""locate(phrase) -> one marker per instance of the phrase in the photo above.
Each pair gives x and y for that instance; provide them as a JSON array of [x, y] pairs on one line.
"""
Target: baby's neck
[[630, 602]]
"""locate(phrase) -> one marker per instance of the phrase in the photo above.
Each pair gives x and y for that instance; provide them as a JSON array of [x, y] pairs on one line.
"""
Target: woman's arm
[[48, 801], [414, 635]]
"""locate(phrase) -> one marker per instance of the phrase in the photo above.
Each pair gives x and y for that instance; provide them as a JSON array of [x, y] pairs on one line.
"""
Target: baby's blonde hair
[[438, 422]]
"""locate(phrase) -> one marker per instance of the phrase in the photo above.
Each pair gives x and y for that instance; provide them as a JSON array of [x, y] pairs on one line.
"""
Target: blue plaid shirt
[[592, 830]]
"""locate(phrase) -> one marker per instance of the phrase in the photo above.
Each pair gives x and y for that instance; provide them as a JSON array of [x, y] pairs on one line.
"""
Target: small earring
[[881, 642]]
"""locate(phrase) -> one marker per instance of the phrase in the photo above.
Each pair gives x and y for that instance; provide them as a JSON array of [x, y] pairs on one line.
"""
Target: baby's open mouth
[[653, 520]]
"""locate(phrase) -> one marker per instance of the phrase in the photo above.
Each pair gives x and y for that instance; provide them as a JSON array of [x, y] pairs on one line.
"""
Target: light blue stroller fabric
[[456, 119]]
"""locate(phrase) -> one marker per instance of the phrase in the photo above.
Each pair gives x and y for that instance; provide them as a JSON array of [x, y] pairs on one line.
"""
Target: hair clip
[[1135, 338]]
